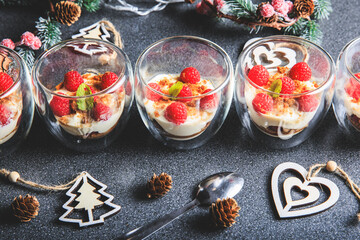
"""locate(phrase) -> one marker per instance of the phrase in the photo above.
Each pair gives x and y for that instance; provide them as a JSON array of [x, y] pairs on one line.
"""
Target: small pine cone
[[224, 212], [25, 208], [260, 18], [158, 186], [303, 8], [67, 12]]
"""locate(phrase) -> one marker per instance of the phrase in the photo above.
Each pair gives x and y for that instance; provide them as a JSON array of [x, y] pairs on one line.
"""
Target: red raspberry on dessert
[[263, 103], [259, 75], [108, 79], [5, 81], [353, 87], [208, 102], [4, 115], [72, 81], [150, 94], [176, 113], [300, 71], [190, 75], [60, 106], [101, 112], [7, 42], [308, 103], [185, 92], [287, 85]]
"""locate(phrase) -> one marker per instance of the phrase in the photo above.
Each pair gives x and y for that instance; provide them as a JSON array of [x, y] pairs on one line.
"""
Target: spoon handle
[[150, 228]]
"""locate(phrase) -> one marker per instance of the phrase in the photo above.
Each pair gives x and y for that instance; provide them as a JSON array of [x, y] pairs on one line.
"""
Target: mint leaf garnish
[[84, 104], [175, 89], [276, 87]]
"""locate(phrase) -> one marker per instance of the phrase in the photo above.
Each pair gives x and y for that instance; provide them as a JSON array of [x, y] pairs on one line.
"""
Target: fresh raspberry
[[150, 94], [353, 87], [190, 75], [300, 71], [60, 106], [7, 42], [185, 92], [262, 103], [27, 38], [4, 115], [266, 10], [72, 80], [208, 102], [259, 75], [5, 81], [176, 113], [101, 112], [287, 85], [308, 103], [277, 4], [36, 44], [108, 79]]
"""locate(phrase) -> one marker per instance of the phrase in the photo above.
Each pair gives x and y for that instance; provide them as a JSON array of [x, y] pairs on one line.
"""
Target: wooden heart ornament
[[304, 185]]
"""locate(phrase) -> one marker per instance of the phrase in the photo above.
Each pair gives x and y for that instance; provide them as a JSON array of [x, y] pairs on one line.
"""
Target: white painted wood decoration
[[87, 201], [304, 185]]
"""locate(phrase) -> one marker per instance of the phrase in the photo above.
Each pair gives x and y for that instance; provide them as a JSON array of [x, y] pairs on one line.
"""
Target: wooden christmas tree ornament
[[87, 201]]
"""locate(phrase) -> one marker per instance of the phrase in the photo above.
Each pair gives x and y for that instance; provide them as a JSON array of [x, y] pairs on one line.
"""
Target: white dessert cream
[[197, 119], [81, 123], [14, 104], [284, 115], [352, 106]]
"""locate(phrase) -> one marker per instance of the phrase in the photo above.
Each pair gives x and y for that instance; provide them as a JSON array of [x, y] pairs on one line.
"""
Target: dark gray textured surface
[[127, 164]]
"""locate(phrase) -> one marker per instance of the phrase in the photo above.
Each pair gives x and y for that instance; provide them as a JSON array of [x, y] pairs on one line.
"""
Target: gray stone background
[[129, 162]]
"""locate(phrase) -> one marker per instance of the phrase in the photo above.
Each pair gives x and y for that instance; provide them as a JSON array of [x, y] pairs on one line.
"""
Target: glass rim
[[20, 62], [194, 38], [345, 51], [296, 40], [120, 81]]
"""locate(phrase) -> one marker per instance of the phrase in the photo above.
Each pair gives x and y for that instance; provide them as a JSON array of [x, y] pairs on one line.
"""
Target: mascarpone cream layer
[[14, 104]]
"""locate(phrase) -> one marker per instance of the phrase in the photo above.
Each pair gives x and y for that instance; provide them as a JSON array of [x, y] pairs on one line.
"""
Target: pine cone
[[224, 212], [260, 18], [25, 208], [67, 12], [303, 8], [158, 186]]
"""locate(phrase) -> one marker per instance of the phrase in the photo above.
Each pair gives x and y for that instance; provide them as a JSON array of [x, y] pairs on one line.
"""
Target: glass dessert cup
[[16, 101], [286, 108], [207, 102], [347, 90], [89, 116]]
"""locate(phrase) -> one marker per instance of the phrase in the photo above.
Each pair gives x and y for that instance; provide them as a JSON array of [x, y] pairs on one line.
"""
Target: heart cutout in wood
[[304, 185]]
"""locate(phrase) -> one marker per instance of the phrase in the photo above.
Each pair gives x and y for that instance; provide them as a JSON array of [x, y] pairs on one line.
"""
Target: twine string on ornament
[[124, 6], [332, 166], [117, 37], [15, 177]]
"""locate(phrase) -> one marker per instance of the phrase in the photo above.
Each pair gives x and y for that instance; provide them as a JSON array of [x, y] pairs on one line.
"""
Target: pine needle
[[27, 55], [48, 32], [242, 8], [322, 9]]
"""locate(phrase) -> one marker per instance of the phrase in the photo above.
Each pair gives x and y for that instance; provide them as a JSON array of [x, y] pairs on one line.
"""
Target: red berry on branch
[[7, 42], [266, 10], [27, 38], [36, 44]]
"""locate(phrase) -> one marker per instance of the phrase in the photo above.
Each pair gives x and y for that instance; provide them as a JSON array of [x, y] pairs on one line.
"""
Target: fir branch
[[322, 9], [312, 32], [79, 2], [90, 5], [48, 32], [297, 28], [242, 8], [27, 55]]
